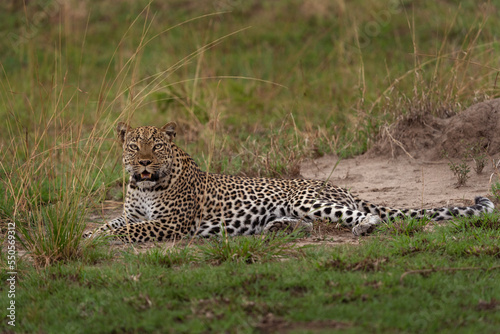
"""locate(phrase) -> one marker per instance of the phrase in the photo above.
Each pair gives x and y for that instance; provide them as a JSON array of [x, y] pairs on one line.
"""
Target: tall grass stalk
[[451, 82]]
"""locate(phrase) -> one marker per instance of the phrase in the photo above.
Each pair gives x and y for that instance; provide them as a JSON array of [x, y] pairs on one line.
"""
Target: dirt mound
[[426, 137]]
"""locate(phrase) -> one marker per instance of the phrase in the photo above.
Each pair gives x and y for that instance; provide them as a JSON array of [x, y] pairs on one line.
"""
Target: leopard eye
[[133, 147], [158, 147]]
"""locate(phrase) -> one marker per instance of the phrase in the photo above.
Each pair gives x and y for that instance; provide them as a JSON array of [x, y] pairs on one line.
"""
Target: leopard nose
[[145, 162]]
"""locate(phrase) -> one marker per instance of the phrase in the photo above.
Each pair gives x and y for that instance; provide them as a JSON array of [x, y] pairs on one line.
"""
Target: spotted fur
[[168, 197]]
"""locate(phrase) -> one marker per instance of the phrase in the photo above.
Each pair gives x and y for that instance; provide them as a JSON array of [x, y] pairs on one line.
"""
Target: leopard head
[[147, 152]]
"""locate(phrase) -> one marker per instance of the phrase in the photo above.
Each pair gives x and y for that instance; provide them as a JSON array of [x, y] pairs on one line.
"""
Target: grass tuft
[[484, 250], [251, 249], [489, 221], [495, 180], [460, 170], [174, 256], [495, 190], [479, 155], [403, 227]]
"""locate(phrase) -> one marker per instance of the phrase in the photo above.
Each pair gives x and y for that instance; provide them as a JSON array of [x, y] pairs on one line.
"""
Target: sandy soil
[[400, 182]]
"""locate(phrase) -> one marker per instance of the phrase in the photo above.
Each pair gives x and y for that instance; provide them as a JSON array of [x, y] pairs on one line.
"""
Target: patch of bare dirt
[[273, 324], [426, 137], [484, 305], [400, 182]]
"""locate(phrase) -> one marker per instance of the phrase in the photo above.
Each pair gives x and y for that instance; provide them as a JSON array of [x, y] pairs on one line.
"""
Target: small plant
[[174, 256], [495, 190], [478, 155], [489, 221], [495, 186], [407, 226], [51, 233], [460, 170], [249, 249]]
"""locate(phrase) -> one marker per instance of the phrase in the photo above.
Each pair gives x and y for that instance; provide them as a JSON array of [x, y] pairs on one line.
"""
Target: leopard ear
[[169, 129], [121, 131]]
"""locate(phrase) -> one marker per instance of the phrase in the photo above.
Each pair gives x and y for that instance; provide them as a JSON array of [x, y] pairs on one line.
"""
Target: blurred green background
[[255, 86]]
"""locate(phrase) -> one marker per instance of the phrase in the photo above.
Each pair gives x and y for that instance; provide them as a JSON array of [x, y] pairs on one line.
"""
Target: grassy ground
[[255, 87], [413, 281]]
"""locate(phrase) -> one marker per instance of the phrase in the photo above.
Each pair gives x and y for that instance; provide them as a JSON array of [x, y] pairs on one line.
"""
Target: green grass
[[495, 181], [169, 257], [495, 190], [249, 249], [407, 226], [438, 281], [256, 87], [319, 64]]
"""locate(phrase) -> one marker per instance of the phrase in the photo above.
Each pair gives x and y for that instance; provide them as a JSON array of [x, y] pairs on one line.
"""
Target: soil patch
[[273, 324], [400, 182], [426, 137]]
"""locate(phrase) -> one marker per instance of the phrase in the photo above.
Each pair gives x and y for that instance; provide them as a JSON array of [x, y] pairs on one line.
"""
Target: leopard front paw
[[366, 226]]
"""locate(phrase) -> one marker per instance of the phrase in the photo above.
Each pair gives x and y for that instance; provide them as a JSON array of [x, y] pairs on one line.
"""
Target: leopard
[[169, 197]]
